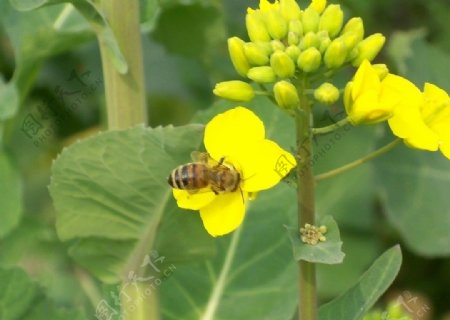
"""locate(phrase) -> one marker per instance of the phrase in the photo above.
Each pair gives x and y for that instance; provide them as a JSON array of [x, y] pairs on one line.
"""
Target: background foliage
[[51, 75]]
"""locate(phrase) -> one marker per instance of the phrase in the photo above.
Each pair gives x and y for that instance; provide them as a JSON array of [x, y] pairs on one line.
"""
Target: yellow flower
[[368, 99], [238, 136], [425, 123]]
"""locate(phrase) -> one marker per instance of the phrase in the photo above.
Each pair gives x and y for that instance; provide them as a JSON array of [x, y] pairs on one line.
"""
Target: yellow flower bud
[[350, 39], [293, 52], [293, 38], [332, 19], [282, 64], [324, 43], [368, 48], [234, 90], [286, 95], [318, 5], [237, 55], [335, 54], [309, 40], [381, 69], [296, 27], [326, 93], [255, 54], [256, 28], [310, 20], [277, 45], [290, 10], [276, 24], [356, 26], [309, 60], [261, 74]]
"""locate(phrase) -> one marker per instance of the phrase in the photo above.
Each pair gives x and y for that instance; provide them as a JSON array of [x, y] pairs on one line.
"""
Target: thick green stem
[[305, 181], [125, 93], [125, 105], [358, 162]]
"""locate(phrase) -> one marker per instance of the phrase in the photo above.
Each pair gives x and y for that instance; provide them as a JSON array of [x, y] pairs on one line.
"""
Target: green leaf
[[328, 252], [150, 11], [353, 304], [9, 100], [111, 194], [414, 189], [10, 195], [17, 294]]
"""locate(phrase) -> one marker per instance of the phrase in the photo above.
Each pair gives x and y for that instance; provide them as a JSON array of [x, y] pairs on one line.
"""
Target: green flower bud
[[335, 54], [309, 60], [296, 27], [381, 69], [237, 55], [356, 26], [290, 10], [261, 74], [324, 45], [286, 95], [277, 45], [332, 19], [326, 93], [275, 23], [369, 48], [310, 20], [256, 28], [282, 64], [234, 90], [293, 52], [293, 38], [309, 40], [266, 46], [255, 54]]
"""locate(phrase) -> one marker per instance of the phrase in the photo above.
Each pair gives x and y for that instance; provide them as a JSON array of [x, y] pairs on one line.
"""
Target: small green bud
[[256, 28], [381, 69], [310, 20], [290, 10], [266, 46], [293, 52], [263, 74], [296, 27], [286, 95], [335, 54], [293, 38], [255, 54], [369, 48], [234, 90], [326, 93], [282, 64], [309, 60], [332, 19], [237, 55], [276, 24], [277, 45], [309, 40], [356, 26]]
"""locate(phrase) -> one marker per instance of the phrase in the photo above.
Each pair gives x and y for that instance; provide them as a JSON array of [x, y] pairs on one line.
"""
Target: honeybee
[[205, 172]]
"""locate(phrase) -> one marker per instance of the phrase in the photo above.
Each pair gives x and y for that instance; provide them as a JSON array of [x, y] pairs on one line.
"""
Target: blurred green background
[[185, 54]]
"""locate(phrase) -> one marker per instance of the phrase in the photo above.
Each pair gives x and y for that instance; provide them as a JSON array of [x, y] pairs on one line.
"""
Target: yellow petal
[[263, 165], [193, 201], [224, 214], [366, 78], [232, 130]]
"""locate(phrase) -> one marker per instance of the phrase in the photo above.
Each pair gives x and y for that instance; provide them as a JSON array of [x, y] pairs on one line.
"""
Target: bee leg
[[221, 160]]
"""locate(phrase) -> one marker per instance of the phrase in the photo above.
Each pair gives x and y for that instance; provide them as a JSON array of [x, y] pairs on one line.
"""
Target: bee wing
[[198, 156]]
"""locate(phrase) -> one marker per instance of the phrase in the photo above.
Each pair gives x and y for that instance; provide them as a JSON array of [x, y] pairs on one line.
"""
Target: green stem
[[125, 105], [125, 93], [330, 128], [305, 180], [358, 162]]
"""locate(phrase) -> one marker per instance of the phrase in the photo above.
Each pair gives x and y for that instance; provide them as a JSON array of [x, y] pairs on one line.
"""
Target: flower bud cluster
[[287, 42]]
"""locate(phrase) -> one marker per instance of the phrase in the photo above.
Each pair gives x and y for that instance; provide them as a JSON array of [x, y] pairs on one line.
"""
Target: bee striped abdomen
[[190, 176]]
